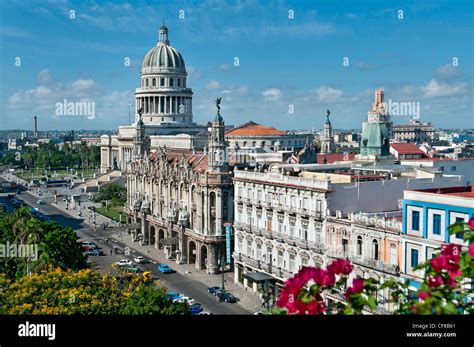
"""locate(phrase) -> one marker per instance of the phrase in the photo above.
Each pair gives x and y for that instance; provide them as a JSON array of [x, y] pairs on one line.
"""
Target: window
[[453, 168], [146, 82], [162, 82], [304, 261], [436, 224], [280, 259], [171, 82], [249, 248], [359, 245], [375, 247], [292, 230], [259, 251], [154, 82], [269, 255], [345, 247], [239, 245], [459, 235], [292, 263], [179, 82], [259, 195], [414, 258], [415, 220]]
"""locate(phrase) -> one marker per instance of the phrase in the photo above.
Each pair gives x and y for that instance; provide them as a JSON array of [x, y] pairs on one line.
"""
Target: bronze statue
[[327, 116], [218, 104]]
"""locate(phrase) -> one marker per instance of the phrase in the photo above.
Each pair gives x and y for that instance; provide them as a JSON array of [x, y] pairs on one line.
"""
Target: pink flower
[[340, 266], [471, 250], [445, 262], [434, 282], [423, 295], [357, 287], [471, 223], [451, 250]]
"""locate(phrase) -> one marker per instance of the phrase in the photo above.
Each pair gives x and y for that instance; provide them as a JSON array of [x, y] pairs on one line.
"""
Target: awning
[[169, 241], [259, 277]]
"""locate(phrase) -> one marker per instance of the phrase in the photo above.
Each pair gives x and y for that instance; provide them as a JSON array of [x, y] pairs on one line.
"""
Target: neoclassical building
[[179, 200], [165, 102]]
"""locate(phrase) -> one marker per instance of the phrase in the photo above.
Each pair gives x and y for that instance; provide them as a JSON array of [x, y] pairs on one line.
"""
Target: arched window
[[179, 82], [162, 82], [171, 82], [154, 82], [359, 245], [375, 250], [147, 82]]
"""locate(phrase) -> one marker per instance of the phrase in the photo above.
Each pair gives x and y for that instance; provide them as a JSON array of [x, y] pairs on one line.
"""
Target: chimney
[[35, 125]]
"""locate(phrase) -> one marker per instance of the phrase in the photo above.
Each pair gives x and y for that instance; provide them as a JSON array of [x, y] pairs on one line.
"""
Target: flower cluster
[[447, 264], [302, 293]]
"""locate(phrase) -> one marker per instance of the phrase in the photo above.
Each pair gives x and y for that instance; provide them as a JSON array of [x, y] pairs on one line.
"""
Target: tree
[[152, 300], [55, 291]]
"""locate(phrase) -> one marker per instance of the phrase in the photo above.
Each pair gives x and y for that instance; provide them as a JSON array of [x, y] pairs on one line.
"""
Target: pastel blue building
[[427, 215]]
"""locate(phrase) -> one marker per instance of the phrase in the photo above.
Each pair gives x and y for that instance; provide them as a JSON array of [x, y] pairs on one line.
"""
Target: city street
[[173, 282]]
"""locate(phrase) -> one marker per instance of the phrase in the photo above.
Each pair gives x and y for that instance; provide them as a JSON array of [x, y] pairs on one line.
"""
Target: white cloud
[[328, 93], [224, 67], [272, 94], [213, 85], [438, 89], [446, 72], [43, 77]]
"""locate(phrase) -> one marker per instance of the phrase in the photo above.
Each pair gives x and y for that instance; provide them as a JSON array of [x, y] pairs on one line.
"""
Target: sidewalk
[[247, 298]]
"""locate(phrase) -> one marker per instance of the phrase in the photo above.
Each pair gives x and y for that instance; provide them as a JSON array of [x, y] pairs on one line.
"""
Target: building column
[[236, 274], [219, 197], [206, 214]]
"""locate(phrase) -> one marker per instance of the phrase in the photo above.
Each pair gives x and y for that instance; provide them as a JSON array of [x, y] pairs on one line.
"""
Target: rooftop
[[254, 129], [465, 192], [406, 148]]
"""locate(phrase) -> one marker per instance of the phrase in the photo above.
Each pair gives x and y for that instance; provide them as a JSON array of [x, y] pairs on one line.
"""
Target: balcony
[[303, 212], [267, 204], [317, 247], [376, 265], [291, 240], [238, 199], [278, 236], [248, 201], [267, 234]]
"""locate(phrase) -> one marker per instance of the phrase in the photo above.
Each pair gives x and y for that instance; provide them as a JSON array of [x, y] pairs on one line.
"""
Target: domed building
[[165, 104], [163, 95]]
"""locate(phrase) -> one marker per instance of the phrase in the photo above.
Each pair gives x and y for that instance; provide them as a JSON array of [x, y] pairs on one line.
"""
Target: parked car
[[124, 262], [173, 295], [204, 313], [185, 299], [226, 297], [214, 290], [195, 309], [40, 202], [164, 268], [139, 259], [88, 245], [95, 252]]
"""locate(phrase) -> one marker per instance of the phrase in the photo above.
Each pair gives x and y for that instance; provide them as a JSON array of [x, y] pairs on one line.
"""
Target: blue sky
[[285, 63]]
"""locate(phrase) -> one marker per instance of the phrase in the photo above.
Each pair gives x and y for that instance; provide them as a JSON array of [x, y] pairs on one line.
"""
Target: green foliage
[[114, 193], [57, 245], [146, 300]]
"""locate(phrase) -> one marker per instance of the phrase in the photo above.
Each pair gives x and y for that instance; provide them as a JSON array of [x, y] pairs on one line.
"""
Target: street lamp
[[223, 265]]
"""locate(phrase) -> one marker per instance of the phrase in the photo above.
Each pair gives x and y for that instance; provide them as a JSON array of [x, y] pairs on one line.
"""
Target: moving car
[[226, 297], [164, 268], [95, 252], [132, 269], [40, 202], [123, 262], [88, 245], [185, 299], [147, 277], [204, 313], [195, 309], [139, 259]]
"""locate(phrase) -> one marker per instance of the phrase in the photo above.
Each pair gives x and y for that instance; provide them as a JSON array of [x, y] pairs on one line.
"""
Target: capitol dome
[[163, 57]]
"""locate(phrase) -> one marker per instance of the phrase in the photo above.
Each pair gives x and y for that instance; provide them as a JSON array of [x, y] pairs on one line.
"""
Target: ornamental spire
[[163, 35]]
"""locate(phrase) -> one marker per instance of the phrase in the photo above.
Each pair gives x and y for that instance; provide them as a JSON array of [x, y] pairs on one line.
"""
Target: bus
[[57, 183]]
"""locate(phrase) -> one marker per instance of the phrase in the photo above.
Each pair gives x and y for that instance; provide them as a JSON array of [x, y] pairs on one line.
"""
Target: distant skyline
[[291, 59]]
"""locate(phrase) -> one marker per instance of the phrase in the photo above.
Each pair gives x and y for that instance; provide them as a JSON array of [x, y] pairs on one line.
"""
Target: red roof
[[465, 192], [333, 157], [406, 148], [254, 129]]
